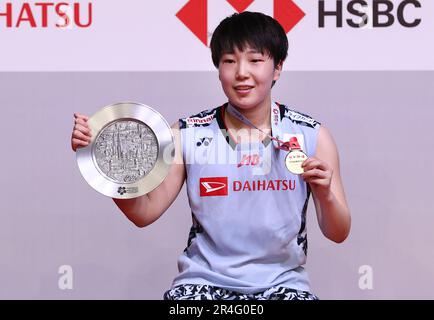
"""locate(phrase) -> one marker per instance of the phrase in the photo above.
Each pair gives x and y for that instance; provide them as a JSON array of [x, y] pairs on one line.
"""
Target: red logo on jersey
[[216, 186], [264, 185], [249, 159]]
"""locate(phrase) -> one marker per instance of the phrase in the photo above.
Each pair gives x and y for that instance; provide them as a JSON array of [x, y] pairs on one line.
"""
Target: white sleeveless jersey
[[249, 211]]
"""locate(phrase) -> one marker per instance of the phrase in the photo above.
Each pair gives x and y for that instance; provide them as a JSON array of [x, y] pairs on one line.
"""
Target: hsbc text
[[375, 13]]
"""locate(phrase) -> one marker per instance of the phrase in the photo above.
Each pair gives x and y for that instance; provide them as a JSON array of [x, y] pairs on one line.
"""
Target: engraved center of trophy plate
[[126, 150]]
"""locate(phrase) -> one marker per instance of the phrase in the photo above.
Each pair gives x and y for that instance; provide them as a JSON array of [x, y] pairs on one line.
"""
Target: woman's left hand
[[319, 176]]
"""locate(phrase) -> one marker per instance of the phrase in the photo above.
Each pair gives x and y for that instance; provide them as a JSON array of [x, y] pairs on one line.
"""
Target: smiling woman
[[248, 238], [47, 14], [247, 76]]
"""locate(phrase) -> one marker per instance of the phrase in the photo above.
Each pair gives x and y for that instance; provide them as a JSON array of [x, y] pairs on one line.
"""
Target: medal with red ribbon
[[295, 157]]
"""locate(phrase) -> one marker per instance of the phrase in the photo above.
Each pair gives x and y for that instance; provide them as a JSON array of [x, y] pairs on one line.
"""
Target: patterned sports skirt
[[207, 292]]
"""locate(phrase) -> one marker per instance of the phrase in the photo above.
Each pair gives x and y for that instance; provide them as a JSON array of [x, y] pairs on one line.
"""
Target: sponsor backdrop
[[138, 35], [362, 68]]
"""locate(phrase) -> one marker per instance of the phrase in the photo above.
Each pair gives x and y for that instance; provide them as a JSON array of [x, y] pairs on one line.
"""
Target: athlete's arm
[[323, 175], [144, 210]]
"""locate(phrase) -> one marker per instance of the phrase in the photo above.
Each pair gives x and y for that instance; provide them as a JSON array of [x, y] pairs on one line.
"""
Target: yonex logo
[[203, 141], [194, 15], [215, 186]]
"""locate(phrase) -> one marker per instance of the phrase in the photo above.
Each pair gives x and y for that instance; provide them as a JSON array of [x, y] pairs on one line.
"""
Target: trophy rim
[[127, 111]]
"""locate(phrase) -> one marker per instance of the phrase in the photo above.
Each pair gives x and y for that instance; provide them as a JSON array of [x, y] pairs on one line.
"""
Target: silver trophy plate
[[130, 152]]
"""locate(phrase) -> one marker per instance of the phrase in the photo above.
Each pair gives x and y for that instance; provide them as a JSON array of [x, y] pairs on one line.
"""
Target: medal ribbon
[[292, 144]]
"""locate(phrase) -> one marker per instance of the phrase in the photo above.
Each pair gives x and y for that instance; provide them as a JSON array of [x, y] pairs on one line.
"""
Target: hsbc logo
[[217, 186], [372, 14], [331, 13], [195, 14]]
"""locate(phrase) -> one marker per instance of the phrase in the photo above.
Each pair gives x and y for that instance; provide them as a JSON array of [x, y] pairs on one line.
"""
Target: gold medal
[[293, 161], [295, 158]]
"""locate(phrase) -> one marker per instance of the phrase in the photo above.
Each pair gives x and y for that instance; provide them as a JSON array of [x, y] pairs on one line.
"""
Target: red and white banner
[[137, 35]]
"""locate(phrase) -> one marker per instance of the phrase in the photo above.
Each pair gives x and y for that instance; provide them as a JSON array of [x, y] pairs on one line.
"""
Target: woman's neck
[[259, 116]]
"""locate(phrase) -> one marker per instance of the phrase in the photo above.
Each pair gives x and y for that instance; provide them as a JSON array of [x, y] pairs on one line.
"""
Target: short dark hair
[[254, 29]]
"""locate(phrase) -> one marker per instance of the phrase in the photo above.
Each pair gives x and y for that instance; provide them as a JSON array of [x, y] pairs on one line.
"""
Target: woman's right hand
[[81, 134]]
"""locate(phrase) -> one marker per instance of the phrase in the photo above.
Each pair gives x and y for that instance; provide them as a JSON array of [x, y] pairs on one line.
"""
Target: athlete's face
[[247, 76]]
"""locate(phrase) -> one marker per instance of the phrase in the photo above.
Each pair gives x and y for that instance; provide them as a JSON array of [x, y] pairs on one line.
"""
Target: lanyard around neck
[[275, 127]]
